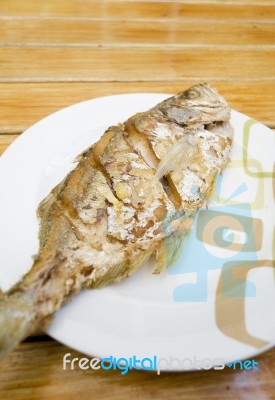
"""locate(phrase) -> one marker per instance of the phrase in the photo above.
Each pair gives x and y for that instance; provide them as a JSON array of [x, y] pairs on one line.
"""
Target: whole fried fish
[[134, 193]]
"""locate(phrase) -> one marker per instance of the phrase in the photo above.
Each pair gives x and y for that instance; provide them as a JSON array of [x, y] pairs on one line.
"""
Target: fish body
[[118, 206]]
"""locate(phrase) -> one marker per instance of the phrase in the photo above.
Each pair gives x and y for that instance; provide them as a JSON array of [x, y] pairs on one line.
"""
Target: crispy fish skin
[[106, 218]]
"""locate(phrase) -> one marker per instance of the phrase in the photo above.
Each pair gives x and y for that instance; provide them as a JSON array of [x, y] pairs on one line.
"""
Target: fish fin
[[160, 259], [180, 154], [171, 247], [169, 251]]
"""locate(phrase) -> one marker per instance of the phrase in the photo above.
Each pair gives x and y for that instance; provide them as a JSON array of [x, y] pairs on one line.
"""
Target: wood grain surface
[[34, 371], [42, 63], [135, 33], [59, 52], [183, 10], [23, 104]]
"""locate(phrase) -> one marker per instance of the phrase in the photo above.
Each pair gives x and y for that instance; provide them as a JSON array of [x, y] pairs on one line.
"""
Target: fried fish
[[118, 206]]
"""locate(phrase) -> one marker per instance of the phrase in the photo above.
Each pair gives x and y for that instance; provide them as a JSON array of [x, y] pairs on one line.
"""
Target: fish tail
[[31, 302], [15, 321]]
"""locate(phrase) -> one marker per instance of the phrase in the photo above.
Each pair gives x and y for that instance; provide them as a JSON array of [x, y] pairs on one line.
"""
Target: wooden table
[[59, 52]]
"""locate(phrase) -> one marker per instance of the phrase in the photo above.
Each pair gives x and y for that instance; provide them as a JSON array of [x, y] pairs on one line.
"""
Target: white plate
[[149, 315]]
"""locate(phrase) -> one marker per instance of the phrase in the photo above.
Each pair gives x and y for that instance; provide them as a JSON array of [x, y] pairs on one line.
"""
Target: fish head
[[204, 116], [200, 104]]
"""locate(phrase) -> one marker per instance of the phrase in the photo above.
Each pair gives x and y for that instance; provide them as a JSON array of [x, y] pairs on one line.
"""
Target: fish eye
[[192, 94]]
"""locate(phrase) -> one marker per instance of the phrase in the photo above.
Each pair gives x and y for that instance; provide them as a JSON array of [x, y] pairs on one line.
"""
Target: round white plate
[[182, 313]]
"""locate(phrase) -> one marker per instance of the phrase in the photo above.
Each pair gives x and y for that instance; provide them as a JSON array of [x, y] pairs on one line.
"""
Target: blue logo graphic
[[246, 364], [223, 237]]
